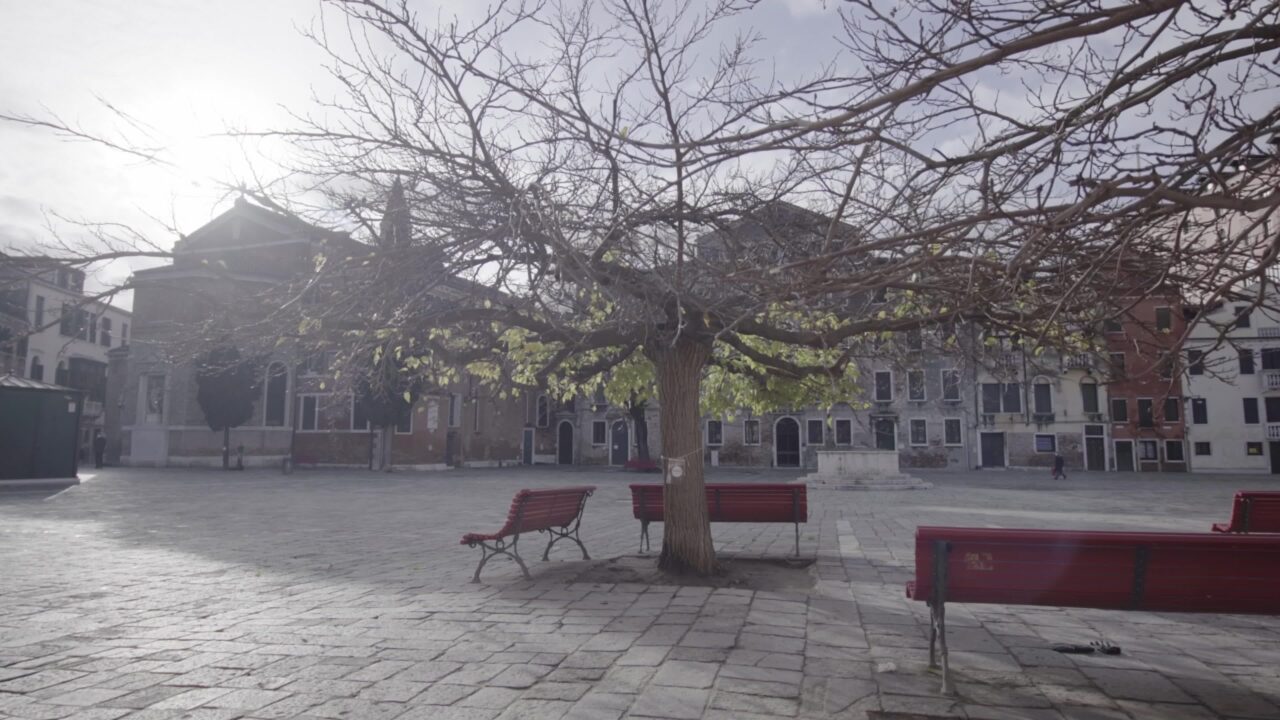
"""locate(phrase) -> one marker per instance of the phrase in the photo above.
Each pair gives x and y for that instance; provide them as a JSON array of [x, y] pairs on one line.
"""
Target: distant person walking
[[1059, 467], [99, 448]]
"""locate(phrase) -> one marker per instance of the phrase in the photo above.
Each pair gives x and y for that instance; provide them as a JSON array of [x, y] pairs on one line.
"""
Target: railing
[[1081, 361], [989, 420], [1273, 431], [1042, 418], [1271, 379], [1269, 332]]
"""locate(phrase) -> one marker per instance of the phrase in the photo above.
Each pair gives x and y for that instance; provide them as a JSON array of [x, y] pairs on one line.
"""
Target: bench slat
[[736, 502]]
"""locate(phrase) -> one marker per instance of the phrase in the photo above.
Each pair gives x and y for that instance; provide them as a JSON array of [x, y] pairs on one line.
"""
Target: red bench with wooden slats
[[730, 502], [1157, 572], [1254, 511], [556, 511]]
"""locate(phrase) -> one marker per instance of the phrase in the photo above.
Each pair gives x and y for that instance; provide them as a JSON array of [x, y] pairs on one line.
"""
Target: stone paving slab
[[200, 594]]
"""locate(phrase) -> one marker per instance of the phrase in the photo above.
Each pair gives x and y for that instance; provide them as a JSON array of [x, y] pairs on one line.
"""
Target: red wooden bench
[[730, 502], [1157, 572], [556, 511], [1253, 511]]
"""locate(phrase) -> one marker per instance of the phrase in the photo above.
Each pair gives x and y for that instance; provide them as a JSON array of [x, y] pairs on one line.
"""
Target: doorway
[[1275, 456], [992, 449], [451, 449], [886, 431], [1095, 449], [619, 445], [786, 442], [564, 443], [1124, 455], [526, 453]]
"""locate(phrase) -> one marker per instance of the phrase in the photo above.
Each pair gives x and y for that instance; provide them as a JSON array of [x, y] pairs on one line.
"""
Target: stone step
[[882, 482]]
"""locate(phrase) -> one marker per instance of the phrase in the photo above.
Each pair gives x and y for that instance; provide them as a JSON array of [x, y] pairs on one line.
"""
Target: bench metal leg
[[797, 539], [940, 630], [644, 536], [499, 547], [558, 535]]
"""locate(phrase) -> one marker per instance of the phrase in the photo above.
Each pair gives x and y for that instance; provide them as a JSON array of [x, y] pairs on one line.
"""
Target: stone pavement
[[156, 594]]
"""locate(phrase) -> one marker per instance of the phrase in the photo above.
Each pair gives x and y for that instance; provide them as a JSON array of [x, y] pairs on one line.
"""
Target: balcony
[[1082, 361], [1273, 431], [1042, 418], [1269, 332], [1270, 380]]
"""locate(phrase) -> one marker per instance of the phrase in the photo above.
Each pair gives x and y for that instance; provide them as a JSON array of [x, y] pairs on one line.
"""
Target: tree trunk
[[226, 448], [388, 434], [686, 532], [641, 424]]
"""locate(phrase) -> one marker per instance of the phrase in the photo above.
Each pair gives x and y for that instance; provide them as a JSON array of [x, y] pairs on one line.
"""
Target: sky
[[185, 71]]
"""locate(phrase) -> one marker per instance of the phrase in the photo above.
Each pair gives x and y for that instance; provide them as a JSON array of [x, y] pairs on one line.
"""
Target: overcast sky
[[188, 70]]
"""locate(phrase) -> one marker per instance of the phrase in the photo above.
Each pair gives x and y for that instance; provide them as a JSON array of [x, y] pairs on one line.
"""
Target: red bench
[[556, 511], [1158, 572], [1253, 511], [729, 502]]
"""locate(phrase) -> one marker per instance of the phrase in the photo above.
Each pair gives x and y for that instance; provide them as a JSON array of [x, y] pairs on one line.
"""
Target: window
[[124, 333], [951, 385], [1242, 316], [715, 433], [1166, 366], [751, 432], [104, 335], [1148, 450], [1164, 319], [274, 401], [1119, 410], [919, 431], [884, 386], [599, 400], [1195, 362], [990, 398], [1173, 451], [599, 432], [814, 432], [1089, 396], [1203, 448], [1112, 325], [844, 432], [1199, 411], [1146, 413], [915, 385], [475, 412], [1253, 448], [1246, 361], [360, 414], [1043, 398], [952, 434], [915, 340], [67, 322], [404, 419], [1271, 358], [1272, 405], [1012, 398], [39, 319], [37, 369], [1117, 364], [60, 374], [455, 410], [316, 363], [1046, 443], [544, 411], [1172, 410], [309, 406], [1251, 411], [879, 296]]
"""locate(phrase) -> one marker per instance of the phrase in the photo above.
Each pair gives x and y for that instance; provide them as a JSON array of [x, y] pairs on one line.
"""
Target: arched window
[[37, 369], [1043, 397], [277, 387], [544, 411], [60, 375]]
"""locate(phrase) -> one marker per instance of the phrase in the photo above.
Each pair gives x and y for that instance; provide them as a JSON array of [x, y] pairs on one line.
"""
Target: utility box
[[39, 424]]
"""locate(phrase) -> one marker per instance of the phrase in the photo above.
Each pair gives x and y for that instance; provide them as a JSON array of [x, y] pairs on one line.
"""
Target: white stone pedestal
[[862, 470]]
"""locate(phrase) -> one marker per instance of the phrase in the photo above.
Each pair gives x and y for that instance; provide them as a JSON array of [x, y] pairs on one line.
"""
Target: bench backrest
[[732, 502], [533, 510], [1165, 572], [1256, 511]]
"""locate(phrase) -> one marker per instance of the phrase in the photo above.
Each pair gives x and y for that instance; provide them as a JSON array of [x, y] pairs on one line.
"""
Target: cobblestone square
[[156, 594]]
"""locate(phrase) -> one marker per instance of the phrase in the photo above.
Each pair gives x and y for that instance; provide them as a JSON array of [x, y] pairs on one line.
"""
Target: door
[[1275, 456], [1124, 455], [564, 443], [786, 442], [992, 450], [619, 446], [527, 448], [886, 433], [1095, 454], [451, 448]]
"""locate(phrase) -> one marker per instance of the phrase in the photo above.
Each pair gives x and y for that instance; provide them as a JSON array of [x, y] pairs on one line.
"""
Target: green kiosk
[[39, 426]]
